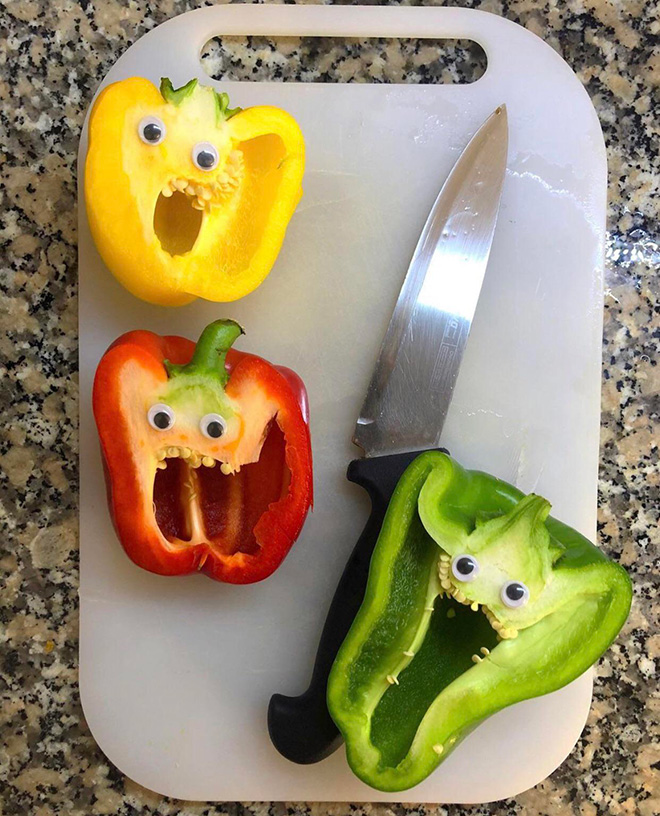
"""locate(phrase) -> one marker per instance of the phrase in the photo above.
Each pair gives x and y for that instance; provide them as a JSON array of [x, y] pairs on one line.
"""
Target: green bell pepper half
[[433, 652]]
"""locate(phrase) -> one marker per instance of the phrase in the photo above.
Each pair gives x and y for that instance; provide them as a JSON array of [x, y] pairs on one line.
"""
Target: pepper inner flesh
[[181, 205], [194, 504], [177, 223], [454, 635]]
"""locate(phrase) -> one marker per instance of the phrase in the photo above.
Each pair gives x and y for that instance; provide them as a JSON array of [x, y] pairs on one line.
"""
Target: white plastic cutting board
[[176, 673]]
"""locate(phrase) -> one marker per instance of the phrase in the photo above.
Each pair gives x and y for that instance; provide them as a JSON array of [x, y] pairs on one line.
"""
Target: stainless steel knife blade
[[413, 381]]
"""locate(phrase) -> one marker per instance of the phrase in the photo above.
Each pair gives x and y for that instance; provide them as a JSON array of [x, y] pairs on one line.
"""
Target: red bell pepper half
[[207, 454]]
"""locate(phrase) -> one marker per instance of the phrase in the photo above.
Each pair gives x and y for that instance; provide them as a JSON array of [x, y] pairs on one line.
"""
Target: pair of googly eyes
[[513, 593], [161, 418], [152, 132]]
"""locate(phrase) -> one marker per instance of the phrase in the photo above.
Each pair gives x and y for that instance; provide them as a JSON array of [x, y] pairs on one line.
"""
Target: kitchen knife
[[407, 399]]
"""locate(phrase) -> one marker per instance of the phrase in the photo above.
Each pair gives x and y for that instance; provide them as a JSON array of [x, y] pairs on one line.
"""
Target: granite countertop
[[54, 54]]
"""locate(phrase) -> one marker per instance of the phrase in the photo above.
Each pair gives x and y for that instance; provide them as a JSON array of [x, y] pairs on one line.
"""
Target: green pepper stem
[[176, 95], [210, 352], [222, 109]]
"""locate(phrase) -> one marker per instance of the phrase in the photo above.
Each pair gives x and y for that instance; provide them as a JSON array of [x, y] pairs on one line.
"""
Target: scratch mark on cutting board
[[322, 204]]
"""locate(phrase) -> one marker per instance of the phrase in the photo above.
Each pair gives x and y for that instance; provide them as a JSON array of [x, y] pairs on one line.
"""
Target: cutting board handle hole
[[378, 60]]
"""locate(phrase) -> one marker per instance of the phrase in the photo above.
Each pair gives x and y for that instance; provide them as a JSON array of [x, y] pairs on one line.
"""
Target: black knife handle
[[300, 727]]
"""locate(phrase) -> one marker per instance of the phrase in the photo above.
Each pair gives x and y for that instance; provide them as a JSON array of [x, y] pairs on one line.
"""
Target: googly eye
[[465, 568], [205, 156], [514, 594], [160, 416], [151, 130], [213, 426]]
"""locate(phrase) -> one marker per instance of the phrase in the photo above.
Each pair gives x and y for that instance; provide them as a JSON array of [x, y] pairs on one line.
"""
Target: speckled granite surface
[[53, 54]]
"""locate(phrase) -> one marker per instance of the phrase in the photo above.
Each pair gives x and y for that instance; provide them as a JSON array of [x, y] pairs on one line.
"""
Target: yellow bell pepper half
[[185, 196]]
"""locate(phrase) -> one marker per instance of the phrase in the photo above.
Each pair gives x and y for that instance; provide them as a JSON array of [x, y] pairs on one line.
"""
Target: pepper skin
[[185, 196], [476, 599], [207, 454]]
